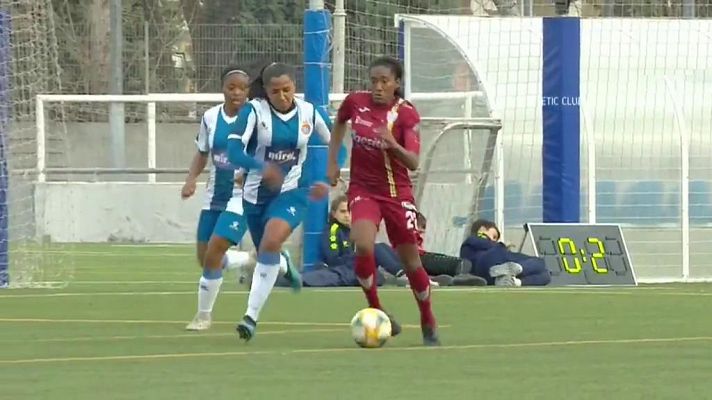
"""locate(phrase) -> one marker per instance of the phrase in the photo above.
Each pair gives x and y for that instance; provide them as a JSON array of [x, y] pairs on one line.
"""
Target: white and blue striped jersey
[[265, 135], [212, 138]]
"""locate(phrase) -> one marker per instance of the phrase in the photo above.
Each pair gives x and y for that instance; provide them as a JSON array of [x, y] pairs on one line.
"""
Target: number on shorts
[[411, 215]]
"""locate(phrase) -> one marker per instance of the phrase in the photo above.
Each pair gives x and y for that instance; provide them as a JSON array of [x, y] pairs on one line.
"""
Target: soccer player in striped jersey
[[221, 223], [270, 142], [386, 145]]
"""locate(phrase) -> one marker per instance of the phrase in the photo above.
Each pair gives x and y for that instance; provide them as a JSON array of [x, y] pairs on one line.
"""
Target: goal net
[[645, 124], [28, 66]]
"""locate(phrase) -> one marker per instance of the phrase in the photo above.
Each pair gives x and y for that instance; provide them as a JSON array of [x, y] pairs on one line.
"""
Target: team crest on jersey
[[306, 128]]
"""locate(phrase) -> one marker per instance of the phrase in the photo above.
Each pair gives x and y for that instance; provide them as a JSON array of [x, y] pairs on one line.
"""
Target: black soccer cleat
[[468, 280], [430, 336], [395, 326], [246, 328]]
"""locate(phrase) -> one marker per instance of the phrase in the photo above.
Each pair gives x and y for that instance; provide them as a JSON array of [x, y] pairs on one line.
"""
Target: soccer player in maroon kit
[[386, 146]]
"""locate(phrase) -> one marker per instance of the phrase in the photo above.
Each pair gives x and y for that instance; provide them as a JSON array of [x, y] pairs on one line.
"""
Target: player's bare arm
[[337, 137], [197, 165]]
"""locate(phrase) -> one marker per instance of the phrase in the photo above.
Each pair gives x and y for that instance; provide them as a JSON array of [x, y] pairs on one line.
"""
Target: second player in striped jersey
[[271, 143]]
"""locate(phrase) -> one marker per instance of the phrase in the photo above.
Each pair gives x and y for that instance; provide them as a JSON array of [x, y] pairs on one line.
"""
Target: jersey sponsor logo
[[284, 158], [376, 143], [220, 160], [361, 121]]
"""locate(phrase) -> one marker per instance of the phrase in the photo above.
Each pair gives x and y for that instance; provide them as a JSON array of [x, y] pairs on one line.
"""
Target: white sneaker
[[509, 268], [433, 284], [507, 280], [200, 322], [504, 280]]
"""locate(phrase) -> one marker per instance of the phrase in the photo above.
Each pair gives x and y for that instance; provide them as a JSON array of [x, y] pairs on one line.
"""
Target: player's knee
[[363, 236], [216, 250], [410, 256], [363, 247], [270, 245], [200, 254]]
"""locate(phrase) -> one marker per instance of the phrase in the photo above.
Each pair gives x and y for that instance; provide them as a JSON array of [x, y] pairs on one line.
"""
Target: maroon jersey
[[373, 167]]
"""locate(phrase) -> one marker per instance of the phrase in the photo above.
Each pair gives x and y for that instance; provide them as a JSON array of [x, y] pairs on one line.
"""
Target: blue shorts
[[290, 206], [226, 224], [206, 224]]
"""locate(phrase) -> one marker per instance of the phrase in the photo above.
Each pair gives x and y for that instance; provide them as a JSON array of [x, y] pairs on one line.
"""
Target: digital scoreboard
[[582, 254]]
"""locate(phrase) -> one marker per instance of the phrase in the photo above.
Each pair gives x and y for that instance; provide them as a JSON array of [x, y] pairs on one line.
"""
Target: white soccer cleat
[[201, 322]]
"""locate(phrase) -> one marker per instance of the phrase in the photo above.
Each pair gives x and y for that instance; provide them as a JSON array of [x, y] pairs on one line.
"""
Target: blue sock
[[268, 258], [211, 274]]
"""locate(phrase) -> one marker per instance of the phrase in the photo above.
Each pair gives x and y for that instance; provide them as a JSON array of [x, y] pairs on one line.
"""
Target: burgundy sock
[[366, 273], [420, 285]]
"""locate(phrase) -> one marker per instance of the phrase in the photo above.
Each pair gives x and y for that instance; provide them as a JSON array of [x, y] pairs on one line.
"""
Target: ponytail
[[257, 86], [269, 71]]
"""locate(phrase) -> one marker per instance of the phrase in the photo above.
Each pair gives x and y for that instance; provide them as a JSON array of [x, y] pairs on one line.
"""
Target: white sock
[[208, 290], [235, 259], [282, 265], [262, 283]]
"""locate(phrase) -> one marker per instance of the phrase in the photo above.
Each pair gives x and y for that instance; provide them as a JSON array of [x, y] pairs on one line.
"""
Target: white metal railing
[[151, 99]]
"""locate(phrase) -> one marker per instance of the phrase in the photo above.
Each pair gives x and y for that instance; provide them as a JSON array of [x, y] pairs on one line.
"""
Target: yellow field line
[[191, 335], [148, 321], [352, 349]]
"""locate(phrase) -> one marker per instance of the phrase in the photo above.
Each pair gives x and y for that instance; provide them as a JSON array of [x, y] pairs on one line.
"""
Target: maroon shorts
[[399, 214]]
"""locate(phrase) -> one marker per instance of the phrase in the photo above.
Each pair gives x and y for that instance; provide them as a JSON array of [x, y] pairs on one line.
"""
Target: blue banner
[[561, 122]]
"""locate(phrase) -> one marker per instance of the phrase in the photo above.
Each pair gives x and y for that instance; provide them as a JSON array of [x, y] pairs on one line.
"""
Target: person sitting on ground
[[499, 266], [444, 269], [337, 264]]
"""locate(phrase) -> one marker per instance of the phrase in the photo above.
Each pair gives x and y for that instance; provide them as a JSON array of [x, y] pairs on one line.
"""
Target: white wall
[[116, 211]]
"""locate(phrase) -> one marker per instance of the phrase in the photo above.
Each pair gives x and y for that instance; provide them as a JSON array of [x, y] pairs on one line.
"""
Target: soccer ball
[[370, 328]]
